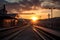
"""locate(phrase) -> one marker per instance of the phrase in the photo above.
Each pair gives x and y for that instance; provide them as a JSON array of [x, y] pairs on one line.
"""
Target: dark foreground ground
[[29, 32], [44, 30]]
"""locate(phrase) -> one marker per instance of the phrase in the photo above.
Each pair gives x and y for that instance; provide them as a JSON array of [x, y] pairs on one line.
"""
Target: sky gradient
[[43, 6]]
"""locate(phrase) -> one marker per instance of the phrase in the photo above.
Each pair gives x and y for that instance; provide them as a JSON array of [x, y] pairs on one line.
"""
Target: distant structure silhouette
[[5, 18], [3, 10], [48, 16], [2, 14]]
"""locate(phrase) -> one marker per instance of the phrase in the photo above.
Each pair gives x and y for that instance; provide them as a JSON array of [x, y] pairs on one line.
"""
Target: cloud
[[13, 1], [47, 4], [27, 4], [50, 4]]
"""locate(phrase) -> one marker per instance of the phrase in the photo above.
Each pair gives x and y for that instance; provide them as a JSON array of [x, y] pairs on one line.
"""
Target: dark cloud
[[50, 4], [56, 0], [27, 4], [24, 5]]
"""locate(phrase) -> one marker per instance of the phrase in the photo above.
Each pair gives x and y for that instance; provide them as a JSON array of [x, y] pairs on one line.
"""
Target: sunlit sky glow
[[41, 12], [40, 8]]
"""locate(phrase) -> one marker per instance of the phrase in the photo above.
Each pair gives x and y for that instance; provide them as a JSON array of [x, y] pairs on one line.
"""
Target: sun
[[34, 18]]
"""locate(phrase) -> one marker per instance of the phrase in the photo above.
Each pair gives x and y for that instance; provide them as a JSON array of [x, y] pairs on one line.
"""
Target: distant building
[[7, 20]]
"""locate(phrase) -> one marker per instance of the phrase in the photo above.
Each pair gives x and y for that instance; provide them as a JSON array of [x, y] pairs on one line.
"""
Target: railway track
[[27, 32], [45, 35]]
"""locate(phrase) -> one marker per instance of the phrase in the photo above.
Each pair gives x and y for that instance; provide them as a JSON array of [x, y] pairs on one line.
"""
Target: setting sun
[[34, 18]]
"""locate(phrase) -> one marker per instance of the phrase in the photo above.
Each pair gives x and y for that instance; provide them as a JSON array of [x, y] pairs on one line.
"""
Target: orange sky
[[38, 12], [42, 12]]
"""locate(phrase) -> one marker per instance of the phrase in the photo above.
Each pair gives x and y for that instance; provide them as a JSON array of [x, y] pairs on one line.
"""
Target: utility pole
[[52, 12], [52, 21]]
